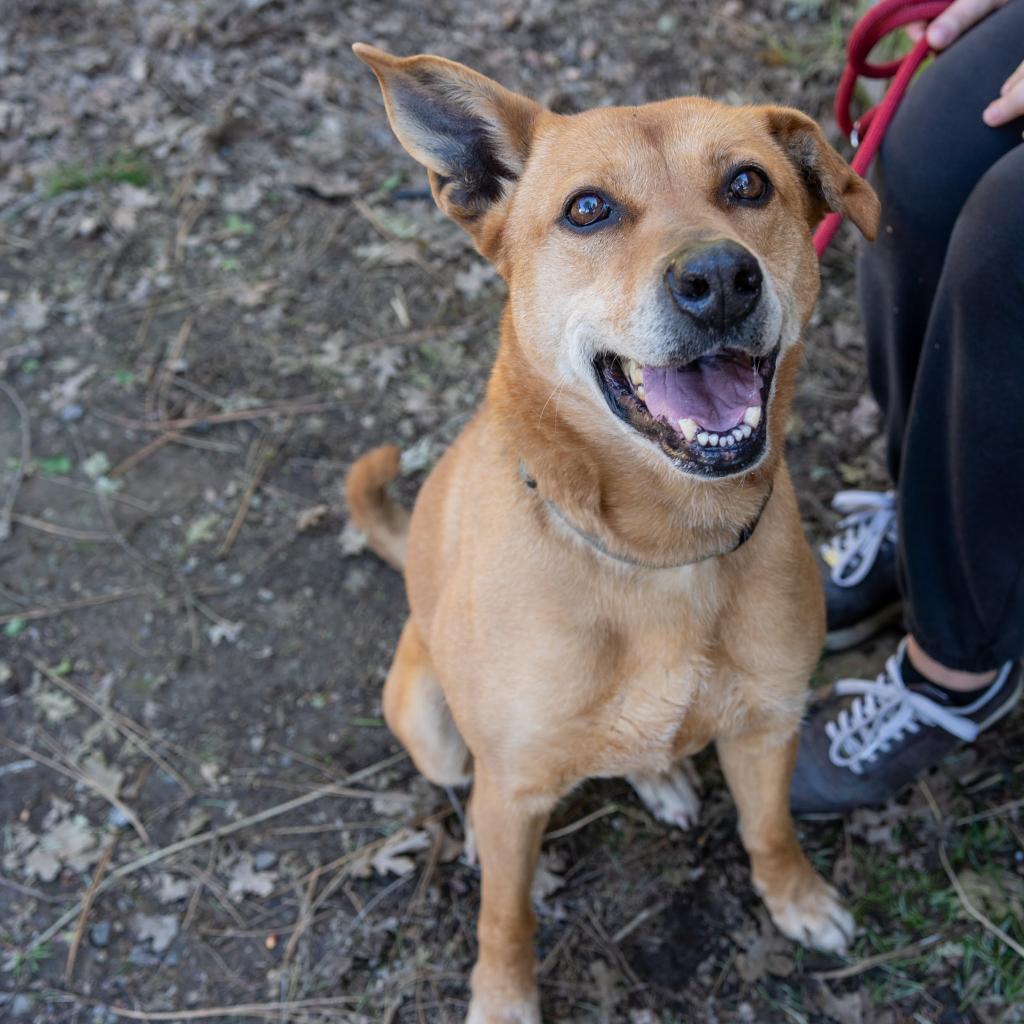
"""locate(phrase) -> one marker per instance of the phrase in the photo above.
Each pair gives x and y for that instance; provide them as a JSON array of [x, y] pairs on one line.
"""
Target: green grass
[[27, 964], [122, 166], [898, 906], [54, 465]]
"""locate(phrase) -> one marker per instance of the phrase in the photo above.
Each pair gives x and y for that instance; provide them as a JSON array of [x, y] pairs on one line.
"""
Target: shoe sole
[[837, 640]]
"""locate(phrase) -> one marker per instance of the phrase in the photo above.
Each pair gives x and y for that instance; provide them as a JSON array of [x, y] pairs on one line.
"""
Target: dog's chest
[[656, 715]]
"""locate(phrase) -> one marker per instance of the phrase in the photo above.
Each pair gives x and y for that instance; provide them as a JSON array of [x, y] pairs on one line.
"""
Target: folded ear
[[830, 181], [472, 135]]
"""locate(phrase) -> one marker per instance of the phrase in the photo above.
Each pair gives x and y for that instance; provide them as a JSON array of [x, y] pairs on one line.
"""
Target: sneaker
[[858, 569], [860, 752]]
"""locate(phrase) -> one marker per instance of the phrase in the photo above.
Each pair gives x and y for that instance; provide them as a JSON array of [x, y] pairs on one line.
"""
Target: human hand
[[949, 26], [953, 22], [1010, 103]]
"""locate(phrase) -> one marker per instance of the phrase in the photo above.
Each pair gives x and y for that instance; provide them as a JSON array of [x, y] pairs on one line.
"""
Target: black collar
[[745, 533]]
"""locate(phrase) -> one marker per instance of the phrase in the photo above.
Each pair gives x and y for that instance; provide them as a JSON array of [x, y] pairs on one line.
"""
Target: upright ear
[[831, 183], [472, 135]]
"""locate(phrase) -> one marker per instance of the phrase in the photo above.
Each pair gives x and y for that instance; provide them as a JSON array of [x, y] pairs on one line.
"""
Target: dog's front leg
[[758, 767], [508, 831]]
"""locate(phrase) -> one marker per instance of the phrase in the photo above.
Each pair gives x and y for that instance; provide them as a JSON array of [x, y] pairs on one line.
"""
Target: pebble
[[141, 955], [99, 934], [71, 413], [21, 1005], [264, 860], [116, 818]]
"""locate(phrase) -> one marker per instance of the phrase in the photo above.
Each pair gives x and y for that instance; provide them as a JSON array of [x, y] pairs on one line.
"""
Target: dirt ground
[[220, 281]]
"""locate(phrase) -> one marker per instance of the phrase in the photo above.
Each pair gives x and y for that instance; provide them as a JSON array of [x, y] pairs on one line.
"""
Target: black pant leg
[[935, 152], [961, 490]]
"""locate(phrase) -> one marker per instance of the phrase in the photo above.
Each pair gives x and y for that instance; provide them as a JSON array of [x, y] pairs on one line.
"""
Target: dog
[[606, 571]]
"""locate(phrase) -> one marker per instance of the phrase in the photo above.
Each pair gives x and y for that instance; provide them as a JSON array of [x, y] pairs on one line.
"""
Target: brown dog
[[606, 571]]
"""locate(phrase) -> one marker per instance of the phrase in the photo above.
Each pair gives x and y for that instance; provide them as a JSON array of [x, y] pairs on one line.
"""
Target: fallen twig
[[58, 531], [631, 926], [154, 856], [278, 1009], [871, 962], [304, 919], [235, 416], [87, 902], [27, 890], [167, 370], [992, 812], [31, 614], [79, 776], [19, 470], [575, 826], [262, 459], [973, 910], [142, 454], [127, 727]]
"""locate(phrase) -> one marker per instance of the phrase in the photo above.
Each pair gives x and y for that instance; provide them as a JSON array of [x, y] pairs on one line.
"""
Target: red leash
[[885, 17]]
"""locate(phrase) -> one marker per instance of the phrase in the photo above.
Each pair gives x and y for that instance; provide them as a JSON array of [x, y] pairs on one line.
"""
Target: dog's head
[[658, 258]]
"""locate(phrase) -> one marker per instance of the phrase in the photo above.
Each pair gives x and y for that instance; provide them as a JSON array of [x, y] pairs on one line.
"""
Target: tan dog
[[606, 571]]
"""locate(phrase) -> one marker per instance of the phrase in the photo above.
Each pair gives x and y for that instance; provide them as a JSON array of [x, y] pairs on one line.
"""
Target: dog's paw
[[670, 796], [815, 918], [484, 1009]]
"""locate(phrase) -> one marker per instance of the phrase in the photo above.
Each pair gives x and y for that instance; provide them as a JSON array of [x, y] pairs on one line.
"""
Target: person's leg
[[935, 152], [960, 501], [961, 492]]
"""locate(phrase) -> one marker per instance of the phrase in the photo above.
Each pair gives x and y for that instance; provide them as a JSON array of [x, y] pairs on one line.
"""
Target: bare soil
[[220, 281]]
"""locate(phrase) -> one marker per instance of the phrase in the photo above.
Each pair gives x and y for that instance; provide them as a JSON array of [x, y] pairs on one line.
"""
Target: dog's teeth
[[641, 392], [752, 416], [713, 440], [737, 434], [634, 371], [702, 438], [747, 429], [688, 428], [724, 440]]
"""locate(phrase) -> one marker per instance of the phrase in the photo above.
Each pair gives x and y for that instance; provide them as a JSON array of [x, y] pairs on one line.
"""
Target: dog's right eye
[[586, 209]]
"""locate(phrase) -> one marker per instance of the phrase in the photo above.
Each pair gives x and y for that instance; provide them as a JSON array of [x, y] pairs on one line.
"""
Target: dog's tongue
[[714, 391]]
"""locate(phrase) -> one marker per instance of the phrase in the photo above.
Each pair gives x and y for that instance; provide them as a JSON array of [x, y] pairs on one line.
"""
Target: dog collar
[[745, 533]]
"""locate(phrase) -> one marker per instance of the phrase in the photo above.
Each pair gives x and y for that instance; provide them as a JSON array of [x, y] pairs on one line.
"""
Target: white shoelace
[[870, 519], [884, 710]]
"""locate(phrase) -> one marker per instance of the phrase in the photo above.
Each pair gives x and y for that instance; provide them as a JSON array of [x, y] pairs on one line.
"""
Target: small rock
[[71, 413], [21, 1005], [264, 860], [116, 818], [141, 956], [99, 934]]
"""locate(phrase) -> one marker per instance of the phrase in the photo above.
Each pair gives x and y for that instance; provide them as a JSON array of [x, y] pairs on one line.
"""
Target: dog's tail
[[384, 522]]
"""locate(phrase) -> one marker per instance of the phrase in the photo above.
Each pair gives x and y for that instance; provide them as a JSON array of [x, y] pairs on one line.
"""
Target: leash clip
[[855, 135]]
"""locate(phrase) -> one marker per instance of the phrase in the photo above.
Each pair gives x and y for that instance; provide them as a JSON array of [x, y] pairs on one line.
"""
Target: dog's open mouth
[[709, 415]]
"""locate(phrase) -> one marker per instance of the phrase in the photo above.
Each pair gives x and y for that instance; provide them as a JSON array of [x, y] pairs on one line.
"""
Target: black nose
[[717, 284]]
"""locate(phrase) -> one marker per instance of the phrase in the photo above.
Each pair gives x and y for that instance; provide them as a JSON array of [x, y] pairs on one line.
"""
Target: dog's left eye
[[749, 185], [586, 209]]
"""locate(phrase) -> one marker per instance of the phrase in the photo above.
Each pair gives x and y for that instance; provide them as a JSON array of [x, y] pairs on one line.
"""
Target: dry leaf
[[246, 880], [385, 363], [765, 951], [172, 889], [547, 878], [160, 929], [845, 1009], [391, 859], [106, 779], [352, 540], [310, 517]]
